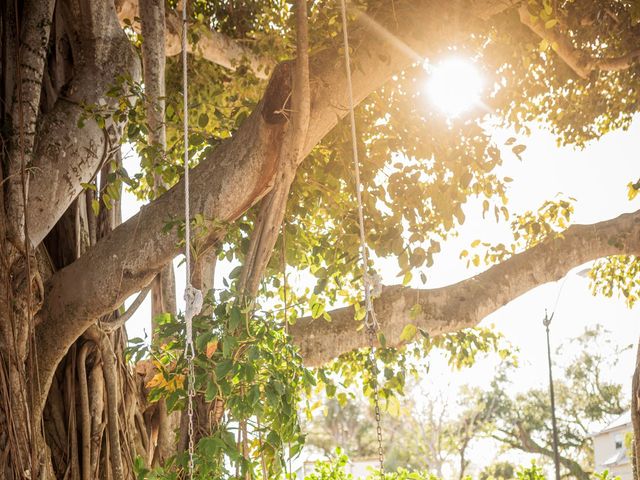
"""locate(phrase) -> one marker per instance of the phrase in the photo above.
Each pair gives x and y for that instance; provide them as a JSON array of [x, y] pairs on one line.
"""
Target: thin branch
[[110, 372], [580, 62], [85, 414], [112, 326]]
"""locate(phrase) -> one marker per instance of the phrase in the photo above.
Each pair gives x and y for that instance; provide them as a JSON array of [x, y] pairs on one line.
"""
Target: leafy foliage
[[617, 275], [248, 363]]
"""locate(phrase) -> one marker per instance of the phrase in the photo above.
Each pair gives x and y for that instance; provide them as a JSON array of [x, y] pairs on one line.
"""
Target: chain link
[[191, 392], [373, 365]]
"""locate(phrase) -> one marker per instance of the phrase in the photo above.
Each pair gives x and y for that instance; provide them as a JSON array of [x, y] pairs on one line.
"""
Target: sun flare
[[454, 86]]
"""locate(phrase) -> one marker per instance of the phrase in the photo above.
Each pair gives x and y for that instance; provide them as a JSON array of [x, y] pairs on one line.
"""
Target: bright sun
[[454, 86]]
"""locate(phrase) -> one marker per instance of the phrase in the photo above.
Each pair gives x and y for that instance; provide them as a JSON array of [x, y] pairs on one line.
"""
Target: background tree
[[430, 429], [585, 399], [348, 424], [498, 471]]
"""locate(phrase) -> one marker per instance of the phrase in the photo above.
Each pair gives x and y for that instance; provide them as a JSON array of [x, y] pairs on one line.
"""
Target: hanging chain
[[376, 398], [193, 297], [191, 394], [370, 320]]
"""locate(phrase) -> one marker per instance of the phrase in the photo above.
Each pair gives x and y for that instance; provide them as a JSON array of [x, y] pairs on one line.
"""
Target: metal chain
[[376, 398], [370, 320], [191, 392], [193, 297]]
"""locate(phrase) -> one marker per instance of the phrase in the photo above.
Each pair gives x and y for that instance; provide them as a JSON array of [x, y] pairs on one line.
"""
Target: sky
[[596, 177]]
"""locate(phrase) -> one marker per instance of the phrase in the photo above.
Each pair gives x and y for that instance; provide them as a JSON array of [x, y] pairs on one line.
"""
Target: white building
[[609, 448]]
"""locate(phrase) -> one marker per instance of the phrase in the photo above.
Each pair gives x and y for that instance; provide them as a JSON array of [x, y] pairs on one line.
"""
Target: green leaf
[[549, 24], [408, 333], [223, 367], [544, 45], [317, 309], [211, 392], [95, 206], [518, 149], [228, 345], [235, 319]]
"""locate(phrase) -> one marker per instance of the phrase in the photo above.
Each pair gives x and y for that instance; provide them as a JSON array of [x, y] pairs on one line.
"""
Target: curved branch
[[580, 62], [212, 46], [66, 155], [109, 327], [466, 303], [85, 414]]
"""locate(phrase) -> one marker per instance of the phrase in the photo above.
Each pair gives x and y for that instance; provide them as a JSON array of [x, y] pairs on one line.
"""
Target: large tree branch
[[32, 55], [225, 184], [465, 304], [212, 46], [66, 155], [273, 206]]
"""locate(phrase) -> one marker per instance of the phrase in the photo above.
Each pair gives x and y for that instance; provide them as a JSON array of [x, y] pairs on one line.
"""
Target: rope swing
[[370, 320], [192, 296]]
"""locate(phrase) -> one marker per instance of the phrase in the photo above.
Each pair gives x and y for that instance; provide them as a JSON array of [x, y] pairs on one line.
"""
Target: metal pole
[[556, 456]]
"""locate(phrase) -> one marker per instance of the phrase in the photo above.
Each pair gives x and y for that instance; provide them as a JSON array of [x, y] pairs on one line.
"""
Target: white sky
[[596, 177]]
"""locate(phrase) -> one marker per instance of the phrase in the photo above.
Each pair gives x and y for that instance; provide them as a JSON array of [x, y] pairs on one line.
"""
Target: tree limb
[[528, 444], [273, 206], [212, 46], [466, 303], [66, 155], [114, 325], [580, 62], [32, 55]]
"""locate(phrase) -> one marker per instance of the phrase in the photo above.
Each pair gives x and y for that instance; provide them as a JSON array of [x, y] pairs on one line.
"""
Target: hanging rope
[[192, 296], [370, 320]]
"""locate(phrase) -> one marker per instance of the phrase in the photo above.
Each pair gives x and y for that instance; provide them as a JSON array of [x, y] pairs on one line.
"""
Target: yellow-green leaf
[[408, 333]]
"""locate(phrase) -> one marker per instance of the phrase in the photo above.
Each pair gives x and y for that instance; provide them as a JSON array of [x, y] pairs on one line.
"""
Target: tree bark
[[212, 46], [152, 17], [635, 412]]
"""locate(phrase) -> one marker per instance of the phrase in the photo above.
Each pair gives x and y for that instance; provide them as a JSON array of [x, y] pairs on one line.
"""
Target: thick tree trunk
[[635, 413]]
